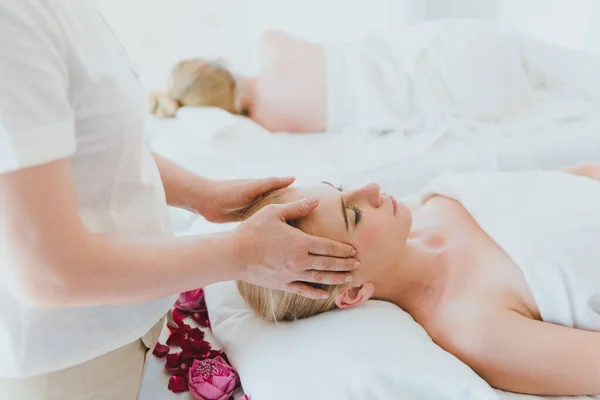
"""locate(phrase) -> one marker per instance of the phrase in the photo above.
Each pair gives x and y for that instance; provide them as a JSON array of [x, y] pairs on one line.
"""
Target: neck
[[415, 282], [246, 88]]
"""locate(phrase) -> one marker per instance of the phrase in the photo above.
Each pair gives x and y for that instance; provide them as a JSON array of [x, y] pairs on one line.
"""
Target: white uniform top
[[549, 224], [68, 90]]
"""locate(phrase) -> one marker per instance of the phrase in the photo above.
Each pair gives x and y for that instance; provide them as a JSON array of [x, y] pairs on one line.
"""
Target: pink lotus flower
[[212, 379], [215, 353], [192, 301], [213, 375]]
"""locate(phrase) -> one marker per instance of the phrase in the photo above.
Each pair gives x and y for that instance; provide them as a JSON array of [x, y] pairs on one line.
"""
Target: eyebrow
[[343, 205]]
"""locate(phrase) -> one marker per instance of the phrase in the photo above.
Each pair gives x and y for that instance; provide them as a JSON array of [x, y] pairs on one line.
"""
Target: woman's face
[[373, 222]]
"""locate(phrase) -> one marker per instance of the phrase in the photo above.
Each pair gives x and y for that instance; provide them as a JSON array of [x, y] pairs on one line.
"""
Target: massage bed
[[349, 355]]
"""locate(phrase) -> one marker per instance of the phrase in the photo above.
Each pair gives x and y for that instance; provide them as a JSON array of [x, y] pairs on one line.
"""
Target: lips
[[394, 204]]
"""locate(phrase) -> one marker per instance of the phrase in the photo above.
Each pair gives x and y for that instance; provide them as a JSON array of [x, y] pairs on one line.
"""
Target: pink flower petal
[[195, 334], [183, 368], [244, 397], [201, 317], [205, 392], [215, 353], [191, 301], [178, 316], [178, 384], [177, 339], [180, 328], [199, 347], [225, 383], [173, 362], [160, 350]]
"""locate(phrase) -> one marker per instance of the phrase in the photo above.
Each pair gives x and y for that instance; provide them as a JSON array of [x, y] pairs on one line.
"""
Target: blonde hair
[[276, 305], [196, 83]]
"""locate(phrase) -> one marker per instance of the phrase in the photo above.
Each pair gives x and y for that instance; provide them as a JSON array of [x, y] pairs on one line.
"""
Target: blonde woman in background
[[88, 264], [439, 76], [502, 269], [288, 94]]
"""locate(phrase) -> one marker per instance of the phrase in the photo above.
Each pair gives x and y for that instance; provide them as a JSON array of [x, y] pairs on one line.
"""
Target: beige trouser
[[113, 376]]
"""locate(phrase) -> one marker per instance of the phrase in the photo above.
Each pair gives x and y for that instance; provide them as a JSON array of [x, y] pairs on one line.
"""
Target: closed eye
[[357, 215], [357, 212]]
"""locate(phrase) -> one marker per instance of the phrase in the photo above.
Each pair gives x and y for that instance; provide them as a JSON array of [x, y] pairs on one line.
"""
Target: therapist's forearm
[[183, 188], [103, 269], [50, 259], [130, 270]]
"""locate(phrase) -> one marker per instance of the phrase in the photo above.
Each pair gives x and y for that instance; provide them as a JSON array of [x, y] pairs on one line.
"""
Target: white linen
[[456, 77], [67, 91]]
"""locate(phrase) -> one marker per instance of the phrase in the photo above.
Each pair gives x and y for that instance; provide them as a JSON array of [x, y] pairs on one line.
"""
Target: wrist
[[218, 258], [201, 195], [242, 251]]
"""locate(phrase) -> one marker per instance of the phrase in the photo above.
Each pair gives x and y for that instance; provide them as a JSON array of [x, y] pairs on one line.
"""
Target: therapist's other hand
[[277, 256], [228, 200]]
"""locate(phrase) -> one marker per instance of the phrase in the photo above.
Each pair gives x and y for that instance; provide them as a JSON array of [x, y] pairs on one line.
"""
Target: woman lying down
[[419, 80], [502, 269]]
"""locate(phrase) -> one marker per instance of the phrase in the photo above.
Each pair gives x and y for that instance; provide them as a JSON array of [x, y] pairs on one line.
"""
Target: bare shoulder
[[272, 38], [291, 93], [590, 170], [279, 48]]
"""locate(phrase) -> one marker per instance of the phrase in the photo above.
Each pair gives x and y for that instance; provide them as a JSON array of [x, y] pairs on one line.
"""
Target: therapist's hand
[[277, 256], [228, 201]]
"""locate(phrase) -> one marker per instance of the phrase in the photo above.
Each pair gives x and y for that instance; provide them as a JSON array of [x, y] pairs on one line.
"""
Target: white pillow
[[372, 352], [375, 351]]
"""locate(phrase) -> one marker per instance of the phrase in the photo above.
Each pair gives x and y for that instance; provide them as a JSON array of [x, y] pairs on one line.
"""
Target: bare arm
[[61, 263], [518, 354], [183, 188], [216, 201]]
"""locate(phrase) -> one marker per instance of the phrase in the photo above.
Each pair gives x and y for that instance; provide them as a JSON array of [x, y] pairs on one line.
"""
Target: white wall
[[157, 33], [574, 23]]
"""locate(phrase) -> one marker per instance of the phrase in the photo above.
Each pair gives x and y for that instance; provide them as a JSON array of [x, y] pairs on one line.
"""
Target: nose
[[372, 193]]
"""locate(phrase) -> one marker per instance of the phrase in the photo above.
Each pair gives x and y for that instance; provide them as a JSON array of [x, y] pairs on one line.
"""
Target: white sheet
[[459, 78]]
